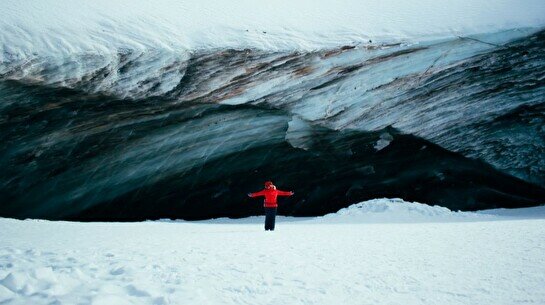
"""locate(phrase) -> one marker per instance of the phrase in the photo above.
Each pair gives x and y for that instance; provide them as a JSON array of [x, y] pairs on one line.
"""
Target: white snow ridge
[[383, 251], [398, 210], [48, 27]]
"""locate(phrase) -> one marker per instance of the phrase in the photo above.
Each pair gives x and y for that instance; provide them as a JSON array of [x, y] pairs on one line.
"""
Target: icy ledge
[[105, 26]]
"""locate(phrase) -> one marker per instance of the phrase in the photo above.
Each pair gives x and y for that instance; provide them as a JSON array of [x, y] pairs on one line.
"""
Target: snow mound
[[398, 210]]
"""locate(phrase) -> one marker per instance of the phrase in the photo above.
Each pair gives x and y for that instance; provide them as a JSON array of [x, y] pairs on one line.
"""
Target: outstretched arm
[[284, 193], [256, 194]]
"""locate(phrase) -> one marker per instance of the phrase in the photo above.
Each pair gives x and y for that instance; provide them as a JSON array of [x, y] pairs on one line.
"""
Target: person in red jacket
[[270, 193]]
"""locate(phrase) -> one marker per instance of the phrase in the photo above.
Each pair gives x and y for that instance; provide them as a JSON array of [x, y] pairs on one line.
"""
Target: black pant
[[270, 215]]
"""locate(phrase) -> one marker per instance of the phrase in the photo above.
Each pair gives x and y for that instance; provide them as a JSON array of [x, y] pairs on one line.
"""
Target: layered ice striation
[[148, 133]]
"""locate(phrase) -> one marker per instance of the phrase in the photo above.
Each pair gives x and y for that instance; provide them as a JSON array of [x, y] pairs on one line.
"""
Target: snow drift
[[398, 211]]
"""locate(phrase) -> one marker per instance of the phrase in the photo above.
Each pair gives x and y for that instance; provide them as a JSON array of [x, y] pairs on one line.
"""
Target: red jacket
[[270, 196]]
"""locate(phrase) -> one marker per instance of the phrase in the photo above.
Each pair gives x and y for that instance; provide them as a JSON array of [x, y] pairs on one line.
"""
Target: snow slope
[[493, 259], [67, 27]]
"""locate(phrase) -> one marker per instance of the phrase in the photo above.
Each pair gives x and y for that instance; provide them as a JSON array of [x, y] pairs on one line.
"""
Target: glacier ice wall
[[152, 133]]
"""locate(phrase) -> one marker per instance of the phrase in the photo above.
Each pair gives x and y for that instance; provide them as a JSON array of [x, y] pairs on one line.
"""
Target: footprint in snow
[[117, 271], [134, 291]]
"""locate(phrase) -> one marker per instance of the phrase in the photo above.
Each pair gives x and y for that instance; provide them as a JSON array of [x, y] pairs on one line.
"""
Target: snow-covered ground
[[42, 27], [377, 252]]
